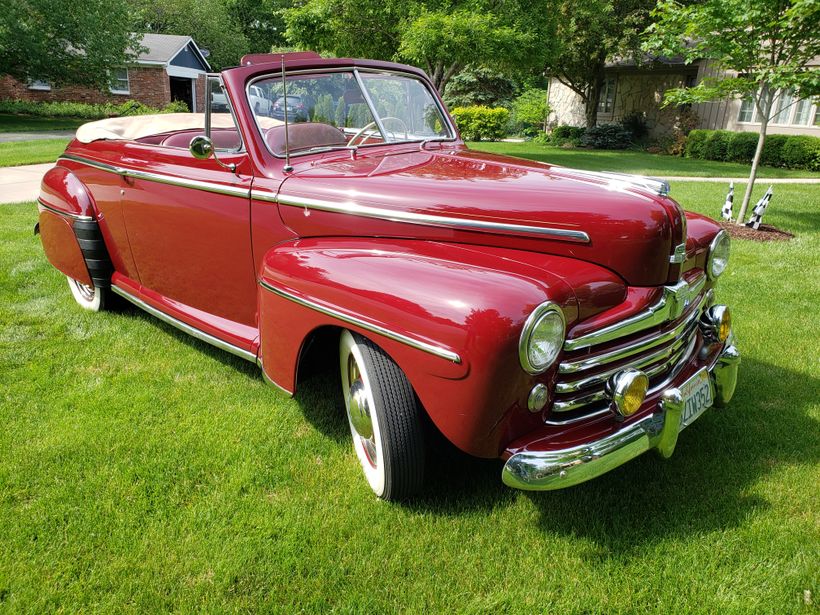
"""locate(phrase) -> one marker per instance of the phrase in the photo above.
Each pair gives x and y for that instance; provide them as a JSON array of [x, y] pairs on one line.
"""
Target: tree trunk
[[764, 124], [445, 77], [593, 97]]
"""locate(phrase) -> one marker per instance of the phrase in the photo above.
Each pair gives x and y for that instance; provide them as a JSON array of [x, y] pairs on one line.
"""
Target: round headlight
[[541, 338], [718, 257]]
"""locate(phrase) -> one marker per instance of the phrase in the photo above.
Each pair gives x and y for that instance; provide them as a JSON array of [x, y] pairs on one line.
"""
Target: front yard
[[632, 161], [16, 153], [142, 470]]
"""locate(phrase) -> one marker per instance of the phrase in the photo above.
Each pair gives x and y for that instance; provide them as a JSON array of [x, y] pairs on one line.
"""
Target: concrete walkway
[[18, 184], [8, 137], [745, 180]]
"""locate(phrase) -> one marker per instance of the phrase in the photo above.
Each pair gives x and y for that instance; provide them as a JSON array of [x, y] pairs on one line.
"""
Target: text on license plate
[[697, 397]]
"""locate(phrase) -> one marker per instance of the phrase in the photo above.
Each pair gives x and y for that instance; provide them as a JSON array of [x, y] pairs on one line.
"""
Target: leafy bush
[[717, 145], [772, 150], [530, 111], [85, 110], [478, 123], [696, 144], [635, 124], [801, 152], [565, 134], [607, 136], [741, 147]]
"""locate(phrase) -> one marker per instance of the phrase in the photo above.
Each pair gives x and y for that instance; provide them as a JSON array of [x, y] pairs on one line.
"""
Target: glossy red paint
[[200, 256], [61, 247]]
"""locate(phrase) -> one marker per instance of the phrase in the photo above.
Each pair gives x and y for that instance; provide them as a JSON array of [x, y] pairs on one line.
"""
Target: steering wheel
[[370, 125]]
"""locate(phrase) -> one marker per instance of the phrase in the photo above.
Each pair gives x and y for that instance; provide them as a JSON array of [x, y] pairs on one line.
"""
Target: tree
[[531, 111], [761, 46], [590, 33], [209, 22], [63, 41], [443, 37], [261, 21]]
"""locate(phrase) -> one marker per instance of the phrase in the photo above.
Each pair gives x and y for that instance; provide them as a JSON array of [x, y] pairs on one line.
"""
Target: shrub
[[801, 152], [717, 145], [772, 150], [563, 134], [530, 111], [607, 136], [85, 110], [478, 123], [695, 144], [635, 124], [741, 147]]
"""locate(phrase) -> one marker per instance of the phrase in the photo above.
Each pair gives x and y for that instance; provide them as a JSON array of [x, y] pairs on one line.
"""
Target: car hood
[[459, 195]]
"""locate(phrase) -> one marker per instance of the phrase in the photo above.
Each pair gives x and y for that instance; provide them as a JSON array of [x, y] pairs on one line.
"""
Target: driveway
[[22, 183]]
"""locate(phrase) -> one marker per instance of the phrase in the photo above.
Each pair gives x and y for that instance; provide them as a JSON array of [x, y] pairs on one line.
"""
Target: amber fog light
[[716, 323], [628, 389]]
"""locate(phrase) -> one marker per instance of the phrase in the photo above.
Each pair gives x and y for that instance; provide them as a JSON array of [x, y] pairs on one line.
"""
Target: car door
[[188, 222]]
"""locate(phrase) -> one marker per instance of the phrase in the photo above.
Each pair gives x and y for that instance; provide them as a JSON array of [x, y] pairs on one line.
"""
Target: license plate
[[697, 397]]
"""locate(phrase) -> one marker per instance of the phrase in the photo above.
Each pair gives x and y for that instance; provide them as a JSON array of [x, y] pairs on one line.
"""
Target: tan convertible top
[[138, 126]]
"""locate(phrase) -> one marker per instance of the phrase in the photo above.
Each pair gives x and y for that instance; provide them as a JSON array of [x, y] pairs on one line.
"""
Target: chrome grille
[[660, 348]]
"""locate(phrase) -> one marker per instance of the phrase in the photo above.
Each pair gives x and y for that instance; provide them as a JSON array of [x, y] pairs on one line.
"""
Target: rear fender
[[70, 231], [449, 316]]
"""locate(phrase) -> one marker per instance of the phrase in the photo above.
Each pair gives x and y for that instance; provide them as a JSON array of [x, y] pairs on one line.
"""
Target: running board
[[185, 327]]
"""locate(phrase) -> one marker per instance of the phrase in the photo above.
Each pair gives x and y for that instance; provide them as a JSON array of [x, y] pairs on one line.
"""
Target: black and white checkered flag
[[727, 206], [759, 210]]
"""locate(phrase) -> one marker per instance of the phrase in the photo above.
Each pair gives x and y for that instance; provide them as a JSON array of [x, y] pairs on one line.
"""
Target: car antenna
[[288, 168]]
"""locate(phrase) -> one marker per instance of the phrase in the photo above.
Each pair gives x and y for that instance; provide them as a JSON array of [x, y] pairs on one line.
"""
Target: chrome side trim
[[671, 305], [185, 327], [60, 212], [679, 255], [353, 320], [641, 345], [409, 217], [160, 178]]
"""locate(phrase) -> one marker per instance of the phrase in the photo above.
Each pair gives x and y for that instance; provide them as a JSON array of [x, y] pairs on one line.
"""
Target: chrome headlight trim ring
[[544, 309]]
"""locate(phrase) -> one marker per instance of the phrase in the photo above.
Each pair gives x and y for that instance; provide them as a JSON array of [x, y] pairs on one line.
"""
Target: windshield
[[346, 109]]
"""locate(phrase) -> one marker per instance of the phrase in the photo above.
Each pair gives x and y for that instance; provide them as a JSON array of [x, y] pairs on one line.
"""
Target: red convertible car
[[561, 320]]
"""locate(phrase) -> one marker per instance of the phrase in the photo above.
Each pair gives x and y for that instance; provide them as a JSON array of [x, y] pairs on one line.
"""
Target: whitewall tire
[[384, 418], [88, 297]]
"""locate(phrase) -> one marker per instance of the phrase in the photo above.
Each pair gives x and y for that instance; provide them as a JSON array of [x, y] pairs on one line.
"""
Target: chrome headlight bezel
[[720, 238], [546, 310]]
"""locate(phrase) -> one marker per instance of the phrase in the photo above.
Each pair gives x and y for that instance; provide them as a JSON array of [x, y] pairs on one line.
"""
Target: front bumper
[[556, 469]]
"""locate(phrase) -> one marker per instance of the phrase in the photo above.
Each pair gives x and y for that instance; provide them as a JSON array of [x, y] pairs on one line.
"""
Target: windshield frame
[[355, 70]]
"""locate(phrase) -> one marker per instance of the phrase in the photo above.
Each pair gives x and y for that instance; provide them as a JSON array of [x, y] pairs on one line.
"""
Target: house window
[[607, 101], [39, 84], [747, 109], [802, 113], [119, 82], [783, 106]]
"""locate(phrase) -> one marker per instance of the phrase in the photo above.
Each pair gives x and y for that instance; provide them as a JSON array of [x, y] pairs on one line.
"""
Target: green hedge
[[85, 110], [607, 136], [479, 123], [789, 151]]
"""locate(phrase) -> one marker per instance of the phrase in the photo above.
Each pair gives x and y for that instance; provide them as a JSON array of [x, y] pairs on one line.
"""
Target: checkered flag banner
[[727, 206], [757, 213]]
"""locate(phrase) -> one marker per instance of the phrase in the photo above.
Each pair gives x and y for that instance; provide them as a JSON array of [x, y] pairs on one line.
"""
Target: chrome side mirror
[[201, 147]]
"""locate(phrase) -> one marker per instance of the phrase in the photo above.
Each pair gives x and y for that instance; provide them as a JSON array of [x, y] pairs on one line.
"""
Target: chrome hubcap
[[359, 411], [86, 292]]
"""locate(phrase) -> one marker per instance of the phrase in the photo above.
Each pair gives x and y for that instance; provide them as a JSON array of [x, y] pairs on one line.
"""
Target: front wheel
[[90, 298], [384, 418]]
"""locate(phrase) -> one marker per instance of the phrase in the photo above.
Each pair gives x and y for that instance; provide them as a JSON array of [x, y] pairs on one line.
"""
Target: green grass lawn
[[32, 123], [15, 153], [143, 471], [628, 161]]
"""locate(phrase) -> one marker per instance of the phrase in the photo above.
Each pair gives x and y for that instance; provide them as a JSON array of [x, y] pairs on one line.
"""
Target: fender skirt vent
[[94, 252]]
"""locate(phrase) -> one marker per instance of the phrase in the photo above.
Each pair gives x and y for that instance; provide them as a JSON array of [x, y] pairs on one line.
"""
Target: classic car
[[560, 320]]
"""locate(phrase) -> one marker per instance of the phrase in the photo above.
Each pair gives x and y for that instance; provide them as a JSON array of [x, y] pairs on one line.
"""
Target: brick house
[[629, 88], [171, 68]]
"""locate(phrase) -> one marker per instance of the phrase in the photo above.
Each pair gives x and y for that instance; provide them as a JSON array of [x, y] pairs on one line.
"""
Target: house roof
[[162, 48]]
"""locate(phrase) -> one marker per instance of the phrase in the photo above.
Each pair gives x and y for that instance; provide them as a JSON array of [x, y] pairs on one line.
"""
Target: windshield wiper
[[434, 140], [332, 148]]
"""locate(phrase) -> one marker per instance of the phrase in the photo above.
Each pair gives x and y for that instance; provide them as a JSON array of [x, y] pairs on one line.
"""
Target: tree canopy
[[62, 41], [758, 47], [589, 33]]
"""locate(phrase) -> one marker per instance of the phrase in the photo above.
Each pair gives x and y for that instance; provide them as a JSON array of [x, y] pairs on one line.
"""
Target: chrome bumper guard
[[547, 470]]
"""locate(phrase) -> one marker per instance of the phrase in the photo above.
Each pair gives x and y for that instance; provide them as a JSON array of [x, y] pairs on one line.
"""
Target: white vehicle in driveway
[[260, 103]]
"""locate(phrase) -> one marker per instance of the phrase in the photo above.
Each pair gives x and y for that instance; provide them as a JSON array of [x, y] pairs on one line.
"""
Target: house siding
[[148, 85]]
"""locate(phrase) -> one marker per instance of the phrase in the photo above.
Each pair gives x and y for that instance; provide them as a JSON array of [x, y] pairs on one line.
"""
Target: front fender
[[469, 303]]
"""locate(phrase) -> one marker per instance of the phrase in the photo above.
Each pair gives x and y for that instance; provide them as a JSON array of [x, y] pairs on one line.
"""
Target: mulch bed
[[766, 232]]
